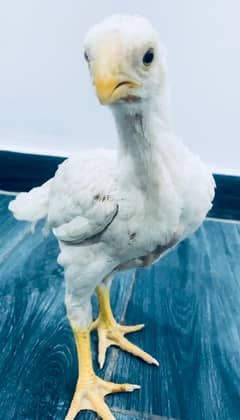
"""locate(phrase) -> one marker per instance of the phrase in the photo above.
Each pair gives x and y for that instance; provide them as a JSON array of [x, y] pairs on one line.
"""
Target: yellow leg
[[90, 389], [111, 333]]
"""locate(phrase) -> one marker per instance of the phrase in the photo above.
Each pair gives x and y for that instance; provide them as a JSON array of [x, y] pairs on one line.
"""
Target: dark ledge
[[21, 172]]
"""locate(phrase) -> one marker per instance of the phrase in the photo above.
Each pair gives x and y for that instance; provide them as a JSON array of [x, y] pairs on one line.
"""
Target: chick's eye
[[86, 57], [148, 57]]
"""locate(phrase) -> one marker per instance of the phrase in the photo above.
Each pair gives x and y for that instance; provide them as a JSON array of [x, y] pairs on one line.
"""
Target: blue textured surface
[[189, 301]]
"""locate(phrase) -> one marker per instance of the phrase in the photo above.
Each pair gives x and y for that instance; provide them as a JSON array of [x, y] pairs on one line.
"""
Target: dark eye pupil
[[86, 56], [148, 57]]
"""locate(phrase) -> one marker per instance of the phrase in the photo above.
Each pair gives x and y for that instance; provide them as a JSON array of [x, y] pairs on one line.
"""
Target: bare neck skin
[[141, 128]]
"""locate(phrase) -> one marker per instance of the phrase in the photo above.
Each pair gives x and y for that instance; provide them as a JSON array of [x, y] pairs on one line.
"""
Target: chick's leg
[[111, 333], [90, 389]]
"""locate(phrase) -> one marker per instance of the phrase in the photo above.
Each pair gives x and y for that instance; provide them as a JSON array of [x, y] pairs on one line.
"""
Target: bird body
[[114, 210], [109, 217]]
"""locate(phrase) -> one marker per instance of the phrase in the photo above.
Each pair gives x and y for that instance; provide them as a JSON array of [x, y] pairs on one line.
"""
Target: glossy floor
[[189, 301]]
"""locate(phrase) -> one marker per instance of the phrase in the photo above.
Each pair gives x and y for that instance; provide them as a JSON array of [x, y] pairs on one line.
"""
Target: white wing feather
[[33, 205], [80, 228], [76, 207], [82, 203]]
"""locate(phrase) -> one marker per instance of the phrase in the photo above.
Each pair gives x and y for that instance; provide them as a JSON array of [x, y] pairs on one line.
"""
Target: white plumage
[[153, 191], [115, 210]]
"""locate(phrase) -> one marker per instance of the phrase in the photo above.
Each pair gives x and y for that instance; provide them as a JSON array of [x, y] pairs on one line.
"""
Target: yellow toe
[[110, 333], [126, 329], [113, 335], [90, 389], [90, 393]]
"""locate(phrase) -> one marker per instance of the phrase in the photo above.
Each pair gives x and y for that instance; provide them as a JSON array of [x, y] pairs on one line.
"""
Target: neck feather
[[141, 128]]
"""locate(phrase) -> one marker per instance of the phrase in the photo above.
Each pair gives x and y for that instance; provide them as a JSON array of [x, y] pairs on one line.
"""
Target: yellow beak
[[111, 89], [108, 77]]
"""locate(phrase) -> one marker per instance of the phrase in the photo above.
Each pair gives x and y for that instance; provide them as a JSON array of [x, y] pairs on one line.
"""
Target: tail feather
[[31, 206]]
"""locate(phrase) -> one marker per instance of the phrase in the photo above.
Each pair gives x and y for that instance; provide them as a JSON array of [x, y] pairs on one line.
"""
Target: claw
[[110, 333], [90, 393], [91, 390], [126, 345], [126, 329]]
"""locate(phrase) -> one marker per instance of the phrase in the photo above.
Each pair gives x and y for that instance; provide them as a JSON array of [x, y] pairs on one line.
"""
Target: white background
[[46, 101]]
